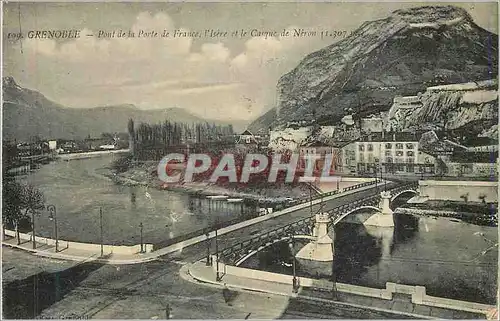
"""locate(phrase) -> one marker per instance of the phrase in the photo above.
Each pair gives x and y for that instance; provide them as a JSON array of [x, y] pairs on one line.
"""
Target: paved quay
[[400, 307]]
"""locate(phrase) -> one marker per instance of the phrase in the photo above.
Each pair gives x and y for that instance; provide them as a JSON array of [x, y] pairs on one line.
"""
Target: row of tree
[[19, 203], [176, 133]]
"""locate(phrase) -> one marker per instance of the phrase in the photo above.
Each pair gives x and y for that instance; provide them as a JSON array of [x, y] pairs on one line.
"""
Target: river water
[[78, 191], [450, 258]]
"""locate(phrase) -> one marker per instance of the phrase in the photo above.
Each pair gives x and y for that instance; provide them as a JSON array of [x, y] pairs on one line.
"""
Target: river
[[450, 258], [78, 191]]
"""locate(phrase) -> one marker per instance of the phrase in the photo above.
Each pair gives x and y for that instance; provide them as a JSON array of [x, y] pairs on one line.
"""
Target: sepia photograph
[[250, 160]]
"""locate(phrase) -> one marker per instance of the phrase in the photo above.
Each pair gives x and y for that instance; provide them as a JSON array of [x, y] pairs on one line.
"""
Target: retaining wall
[[452, 190], [74, 156], [417, 293], [90, 247]]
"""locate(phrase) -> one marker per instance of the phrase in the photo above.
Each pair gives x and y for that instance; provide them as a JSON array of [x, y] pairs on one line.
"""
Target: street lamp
[[142, 243], [33, 214], [207, 234], [310, 199], [53, 217], [168, 309], [294, 281], [217, 274], [100, 223]]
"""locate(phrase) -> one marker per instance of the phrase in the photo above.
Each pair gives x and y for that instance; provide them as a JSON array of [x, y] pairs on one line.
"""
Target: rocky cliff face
[[401, 55], [450, 107]]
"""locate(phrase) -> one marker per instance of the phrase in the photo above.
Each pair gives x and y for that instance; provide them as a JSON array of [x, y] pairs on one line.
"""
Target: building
[[52, 145], [395, 153], [321, 149], [481, 144], [247, 138], [372, 125]]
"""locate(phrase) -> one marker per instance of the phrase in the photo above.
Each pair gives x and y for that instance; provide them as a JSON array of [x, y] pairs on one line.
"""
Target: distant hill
[[263, 122], [28, 113]]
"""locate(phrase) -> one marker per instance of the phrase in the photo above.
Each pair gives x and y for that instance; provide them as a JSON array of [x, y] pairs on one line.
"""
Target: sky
[[231, 77]]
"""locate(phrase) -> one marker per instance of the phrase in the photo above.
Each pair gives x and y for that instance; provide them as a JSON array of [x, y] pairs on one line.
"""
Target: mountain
[[400, 55], [28, 113], [263, 122]]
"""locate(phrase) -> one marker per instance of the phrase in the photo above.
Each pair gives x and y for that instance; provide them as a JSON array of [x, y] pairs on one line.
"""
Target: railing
[[304, 226], [350, 188]]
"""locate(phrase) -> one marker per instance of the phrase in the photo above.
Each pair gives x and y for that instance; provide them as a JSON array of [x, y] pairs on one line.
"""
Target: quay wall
[[452, 190], [417, 293], [90, 154], [89, 247]]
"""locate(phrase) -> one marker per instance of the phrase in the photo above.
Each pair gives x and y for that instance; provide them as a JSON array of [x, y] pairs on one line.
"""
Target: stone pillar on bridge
[[317, 256], [385, 218]]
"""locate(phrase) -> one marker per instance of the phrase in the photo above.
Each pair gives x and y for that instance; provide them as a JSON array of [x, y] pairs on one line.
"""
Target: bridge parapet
[[304, 226]]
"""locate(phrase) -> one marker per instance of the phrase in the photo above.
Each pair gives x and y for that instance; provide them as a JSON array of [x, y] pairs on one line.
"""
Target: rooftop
[[392, 137]]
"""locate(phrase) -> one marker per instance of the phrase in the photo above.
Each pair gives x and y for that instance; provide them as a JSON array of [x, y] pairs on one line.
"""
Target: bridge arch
[[340, 218], [284, 238], [403, 192]]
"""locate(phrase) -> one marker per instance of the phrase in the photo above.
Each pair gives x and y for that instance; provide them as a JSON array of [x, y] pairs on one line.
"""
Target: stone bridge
[[305, 227]]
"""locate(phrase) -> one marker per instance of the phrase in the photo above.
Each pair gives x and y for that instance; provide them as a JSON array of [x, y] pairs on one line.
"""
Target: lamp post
[[294, 280], [207, 234], [310, 199], [142, 242], [168, 309], [217, 274], [33, 227], [100, 223], [53, 217]]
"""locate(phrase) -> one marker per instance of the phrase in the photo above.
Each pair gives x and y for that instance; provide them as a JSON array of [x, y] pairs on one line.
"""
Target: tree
[[18, 201], [32, 201], [11, 203]]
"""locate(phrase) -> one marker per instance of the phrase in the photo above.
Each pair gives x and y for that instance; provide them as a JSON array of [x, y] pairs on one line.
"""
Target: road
[[37, 287]]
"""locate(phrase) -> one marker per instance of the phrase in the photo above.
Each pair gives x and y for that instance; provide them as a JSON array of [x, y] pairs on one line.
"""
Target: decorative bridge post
[[385, 218], [317, 256]]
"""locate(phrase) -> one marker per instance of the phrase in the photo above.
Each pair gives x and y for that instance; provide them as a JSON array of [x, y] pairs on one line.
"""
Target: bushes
[[122, 164]]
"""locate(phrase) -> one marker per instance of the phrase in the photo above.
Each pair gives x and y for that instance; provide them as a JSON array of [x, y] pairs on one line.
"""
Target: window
[[388, 153], [409, 146], [370, 158], [410, 153], [361, 158], [370, 147], [399, 146], [388, 160], [409, 160], [388, 145], [361, 147], [399, 153]]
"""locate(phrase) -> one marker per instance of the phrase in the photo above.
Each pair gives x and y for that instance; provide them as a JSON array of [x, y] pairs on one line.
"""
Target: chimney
[[383, 133], [394, 137]]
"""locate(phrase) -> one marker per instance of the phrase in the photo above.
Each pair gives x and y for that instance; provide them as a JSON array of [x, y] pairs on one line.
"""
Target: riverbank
[[145, 175], [90, 154], [470, 212]]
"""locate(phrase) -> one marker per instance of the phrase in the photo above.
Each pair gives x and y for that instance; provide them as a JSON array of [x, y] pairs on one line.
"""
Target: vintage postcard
[[289, 160]]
